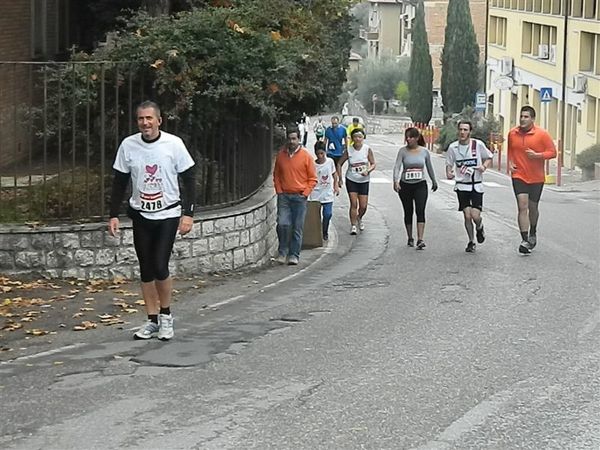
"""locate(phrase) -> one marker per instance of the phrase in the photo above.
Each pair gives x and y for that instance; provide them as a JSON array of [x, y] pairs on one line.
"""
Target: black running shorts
[[470, 199], [359, 188], [533, 190]]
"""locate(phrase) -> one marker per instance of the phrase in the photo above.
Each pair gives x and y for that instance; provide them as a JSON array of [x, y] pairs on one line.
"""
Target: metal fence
[[61, 124]]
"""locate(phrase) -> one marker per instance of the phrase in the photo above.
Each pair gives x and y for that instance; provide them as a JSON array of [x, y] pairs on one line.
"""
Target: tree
[[378, 76], [275, 56], [420, 73], [460, 59], [402, 92]]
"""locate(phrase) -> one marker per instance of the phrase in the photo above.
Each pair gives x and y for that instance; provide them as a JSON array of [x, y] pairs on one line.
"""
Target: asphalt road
[[368, 344]]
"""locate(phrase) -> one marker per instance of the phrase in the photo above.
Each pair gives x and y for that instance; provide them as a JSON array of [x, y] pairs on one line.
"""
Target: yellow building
[[546, 53]]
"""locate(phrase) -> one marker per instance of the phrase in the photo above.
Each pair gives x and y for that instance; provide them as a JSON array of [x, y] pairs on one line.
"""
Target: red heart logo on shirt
[[152, 169]]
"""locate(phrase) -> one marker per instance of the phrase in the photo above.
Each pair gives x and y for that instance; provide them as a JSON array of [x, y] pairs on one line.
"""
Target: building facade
[[390, 27], [32, 30], [546, 53]]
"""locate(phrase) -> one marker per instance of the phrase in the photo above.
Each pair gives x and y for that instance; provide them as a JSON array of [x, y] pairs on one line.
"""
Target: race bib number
[[413, 174], [360, 168], [151, 202]]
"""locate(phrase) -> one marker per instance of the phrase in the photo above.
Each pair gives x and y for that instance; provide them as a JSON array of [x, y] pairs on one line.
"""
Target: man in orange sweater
[[294, 177], [528, 148]]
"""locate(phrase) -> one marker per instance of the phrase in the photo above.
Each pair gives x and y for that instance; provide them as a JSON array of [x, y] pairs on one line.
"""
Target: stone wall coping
[[264, 194]]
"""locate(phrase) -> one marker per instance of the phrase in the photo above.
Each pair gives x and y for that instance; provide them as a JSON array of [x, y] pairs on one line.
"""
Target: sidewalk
[[570, 179], [36, 315]]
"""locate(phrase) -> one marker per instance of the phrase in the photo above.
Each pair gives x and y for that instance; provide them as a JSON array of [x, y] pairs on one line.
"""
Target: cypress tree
[[460, 58], [420, 73]]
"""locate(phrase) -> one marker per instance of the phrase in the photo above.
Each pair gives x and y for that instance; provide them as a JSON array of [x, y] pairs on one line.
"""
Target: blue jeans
[[291, 210], [327, 210]]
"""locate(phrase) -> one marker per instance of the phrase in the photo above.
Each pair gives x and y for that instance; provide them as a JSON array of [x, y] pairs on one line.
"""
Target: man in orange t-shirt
[[294, 177], [528, 148]]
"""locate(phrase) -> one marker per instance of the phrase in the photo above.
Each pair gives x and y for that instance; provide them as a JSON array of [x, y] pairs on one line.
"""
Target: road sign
[[480, 101], [546, 94]]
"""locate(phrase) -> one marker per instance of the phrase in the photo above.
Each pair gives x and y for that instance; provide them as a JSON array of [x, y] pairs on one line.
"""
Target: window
[[522, 5], [556, 7], [589, 9], [577, 8], [589, 53], [591, 113], [537, 6], [526, 40], [546, 6], [497, 31], [539, 41], [38, 28]]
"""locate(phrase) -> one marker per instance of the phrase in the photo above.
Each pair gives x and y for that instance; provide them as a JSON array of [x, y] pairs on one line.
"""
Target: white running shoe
[[146, 331], [361, 225], [353, 230], [165, 331]]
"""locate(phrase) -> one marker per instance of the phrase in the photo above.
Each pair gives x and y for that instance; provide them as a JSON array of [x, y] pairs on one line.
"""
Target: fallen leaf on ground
[[86, 309], [37, 332], [85, 325]]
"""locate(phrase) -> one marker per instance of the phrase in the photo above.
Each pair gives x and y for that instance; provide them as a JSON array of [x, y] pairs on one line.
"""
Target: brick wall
[[15, 45], [435, 22]]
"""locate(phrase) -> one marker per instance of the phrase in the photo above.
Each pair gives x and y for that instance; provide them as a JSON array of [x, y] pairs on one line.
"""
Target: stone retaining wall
[[230, 239]]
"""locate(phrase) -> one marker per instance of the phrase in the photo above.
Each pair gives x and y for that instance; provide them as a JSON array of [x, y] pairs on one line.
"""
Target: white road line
[[469, 422], [380, 180], [485, 183], [46, 353]]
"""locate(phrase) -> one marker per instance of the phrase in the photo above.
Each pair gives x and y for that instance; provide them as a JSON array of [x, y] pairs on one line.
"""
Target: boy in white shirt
[[327, 185]]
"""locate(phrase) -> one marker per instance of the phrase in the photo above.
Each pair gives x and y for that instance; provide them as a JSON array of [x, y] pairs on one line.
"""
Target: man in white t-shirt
[[154, 161], [466, 160]]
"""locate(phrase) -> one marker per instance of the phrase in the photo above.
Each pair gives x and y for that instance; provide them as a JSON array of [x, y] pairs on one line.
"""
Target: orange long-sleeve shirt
[[294, 174], [530, 171]]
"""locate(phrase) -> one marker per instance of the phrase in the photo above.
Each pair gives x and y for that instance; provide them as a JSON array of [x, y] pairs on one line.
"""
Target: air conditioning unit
[[552, 54], [506, 66], [543, 51], [579, 83]]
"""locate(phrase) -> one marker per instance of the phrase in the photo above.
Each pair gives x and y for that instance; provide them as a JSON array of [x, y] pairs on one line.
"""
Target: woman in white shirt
[[361, 163]]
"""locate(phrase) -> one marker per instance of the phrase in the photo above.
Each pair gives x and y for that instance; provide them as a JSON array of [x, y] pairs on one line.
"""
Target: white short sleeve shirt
[[154, 168]]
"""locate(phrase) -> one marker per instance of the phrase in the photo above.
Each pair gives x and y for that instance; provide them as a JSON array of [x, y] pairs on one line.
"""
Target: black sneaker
[[410, 242], [525, 248], [421, 245], [532, 241], [480, 235], [470, 247]]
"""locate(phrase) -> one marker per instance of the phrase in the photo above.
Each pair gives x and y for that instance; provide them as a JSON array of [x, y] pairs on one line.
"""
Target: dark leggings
[[417, 193], [153, 241]]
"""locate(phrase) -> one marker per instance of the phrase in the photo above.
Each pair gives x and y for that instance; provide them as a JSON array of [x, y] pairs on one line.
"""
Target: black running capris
[[414, 198], [153, 241]]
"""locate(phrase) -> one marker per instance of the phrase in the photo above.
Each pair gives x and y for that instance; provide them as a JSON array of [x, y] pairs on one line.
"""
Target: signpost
[[480, 101], [545, 94]]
